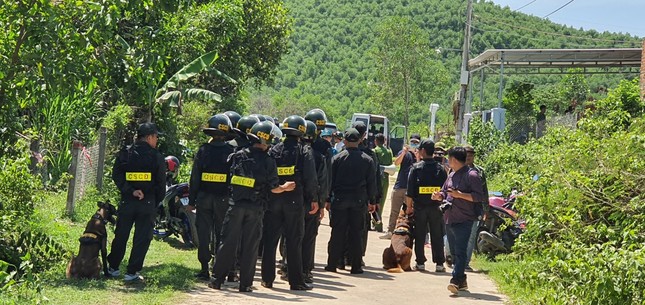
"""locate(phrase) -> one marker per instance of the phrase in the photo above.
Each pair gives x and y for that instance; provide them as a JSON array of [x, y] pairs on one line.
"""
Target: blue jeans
[[458, 236], [472, 241]]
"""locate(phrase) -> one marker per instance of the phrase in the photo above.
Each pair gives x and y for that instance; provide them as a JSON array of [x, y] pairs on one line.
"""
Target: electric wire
[[559, 8], [523, 6]]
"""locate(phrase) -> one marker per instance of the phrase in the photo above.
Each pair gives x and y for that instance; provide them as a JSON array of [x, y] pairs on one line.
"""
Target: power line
[[558, 34], [523, 6], [559, 8]]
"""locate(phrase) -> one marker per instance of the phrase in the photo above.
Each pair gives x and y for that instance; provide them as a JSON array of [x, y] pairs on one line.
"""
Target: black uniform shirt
[[253, 175], [210, 170], [295, 162], [426, 177], [140, 167], [324, 148], [353, 176]]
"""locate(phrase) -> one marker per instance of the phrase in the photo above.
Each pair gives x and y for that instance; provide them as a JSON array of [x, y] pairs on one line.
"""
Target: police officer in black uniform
[[426, 177], [243, 128], [353, 185], [285, 212], [139, 172], [312, 220], [363, 146], [253, 175], [322, 147], [209, 187]]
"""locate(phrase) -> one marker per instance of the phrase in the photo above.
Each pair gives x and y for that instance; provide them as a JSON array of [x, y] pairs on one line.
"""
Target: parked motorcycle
[[500, 226], [173, 218]]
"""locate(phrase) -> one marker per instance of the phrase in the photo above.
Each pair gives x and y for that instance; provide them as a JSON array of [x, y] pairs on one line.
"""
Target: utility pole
[[465, 75]]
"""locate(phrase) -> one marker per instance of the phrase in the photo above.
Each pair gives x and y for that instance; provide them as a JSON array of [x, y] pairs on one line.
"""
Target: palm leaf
[[195, 67]]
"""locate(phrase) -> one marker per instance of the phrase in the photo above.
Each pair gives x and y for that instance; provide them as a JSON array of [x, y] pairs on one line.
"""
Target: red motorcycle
[[500, 226]]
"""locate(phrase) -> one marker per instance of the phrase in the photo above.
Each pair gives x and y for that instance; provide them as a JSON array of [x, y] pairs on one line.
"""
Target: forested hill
[[329, 64]]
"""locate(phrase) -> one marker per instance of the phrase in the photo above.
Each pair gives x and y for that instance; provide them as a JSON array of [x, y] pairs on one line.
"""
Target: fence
[[86, 169], [521, 130]]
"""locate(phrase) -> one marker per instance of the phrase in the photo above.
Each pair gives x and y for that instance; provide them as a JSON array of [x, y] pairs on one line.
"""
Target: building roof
[[557, 58]]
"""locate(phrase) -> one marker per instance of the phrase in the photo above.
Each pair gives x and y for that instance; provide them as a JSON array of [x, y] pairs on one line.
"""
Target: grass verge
[[168, 267], [499, 271]]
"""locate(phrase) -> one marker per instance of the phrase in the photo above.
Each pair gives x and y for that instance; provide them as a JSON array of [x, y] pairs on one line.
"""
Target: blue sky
[[626, 16]]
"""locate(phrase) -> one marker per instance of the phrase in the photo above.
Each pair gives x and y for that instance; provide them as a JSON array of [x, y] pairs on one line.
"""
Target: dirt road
[[375, 286]]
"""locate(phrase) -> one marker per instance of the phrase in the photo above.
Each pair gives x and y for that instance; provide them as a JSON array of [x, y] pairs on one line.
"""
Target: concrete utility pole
[[465, 75]]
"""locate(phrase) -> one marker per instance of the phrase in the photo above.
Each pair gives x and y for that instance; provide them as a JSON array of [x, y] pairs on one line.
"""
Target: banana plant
[[172, 91]]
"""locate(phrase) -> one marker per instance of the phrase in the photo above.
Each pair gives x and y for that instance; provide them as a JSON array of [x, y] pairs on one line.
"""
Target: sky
[[626, 16]]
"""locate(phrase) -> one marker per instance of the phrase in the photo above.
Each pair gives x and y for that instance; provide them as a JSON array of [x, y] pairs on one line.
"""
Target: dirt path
[[375, 286]]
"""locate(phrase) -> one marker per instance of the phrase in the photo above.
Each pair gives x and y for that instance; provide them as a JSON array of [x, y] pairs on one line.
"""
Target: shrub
[[586, 212]]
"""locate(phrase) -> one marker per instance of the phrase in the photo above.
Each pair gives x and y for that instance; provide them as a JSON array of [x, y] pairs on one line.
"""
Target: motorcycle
[[173, 218], [500, 226]]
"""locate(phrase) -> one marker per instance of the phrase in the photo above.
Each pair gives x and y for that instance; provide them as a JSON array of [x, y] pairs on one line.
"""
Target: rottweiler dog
[[397, 257], [87, 264]]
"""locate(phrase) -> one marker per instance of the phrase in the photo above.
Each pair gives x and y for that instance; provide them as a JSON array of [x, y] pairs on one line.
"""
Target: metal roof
[[557, 58]]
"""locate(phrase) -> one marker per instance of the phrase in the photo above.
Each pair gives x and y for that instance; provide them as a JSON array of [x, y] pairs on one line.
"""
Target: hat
[[469, 149], [360, 127], [338, 134], [326, 133], [427, 144], [440, 146], [415, 136], [146, 129], [352, 135]]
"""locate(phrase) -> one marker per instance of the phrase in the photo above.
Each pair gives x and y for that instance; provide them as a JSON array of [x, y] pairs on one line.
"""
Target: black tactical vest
[[430, 179], [215, 169]]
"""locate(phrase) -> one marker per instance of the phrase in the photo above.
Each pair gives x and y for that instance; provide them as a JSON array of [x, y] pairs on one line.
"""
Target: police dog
[[397, 257], [87, 264]]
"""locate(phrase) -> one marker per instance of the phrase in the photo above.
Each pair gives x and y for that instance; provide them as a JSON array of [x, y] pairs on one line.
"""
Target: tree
[[408, 74]]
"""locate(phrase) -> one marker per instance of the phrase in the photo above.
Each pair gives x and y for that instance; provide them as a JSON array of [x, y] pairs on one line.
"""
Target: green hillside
[[329, 63]]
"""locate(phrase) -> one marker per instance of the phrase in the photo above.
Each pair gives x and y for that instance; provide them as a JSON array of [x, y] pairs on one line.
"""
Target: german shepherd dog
[[397, 257], [87, 264]]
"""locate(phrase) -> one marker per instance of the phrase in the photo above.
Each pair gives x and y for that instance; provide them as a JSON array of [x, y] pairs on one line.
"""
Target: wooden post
[[642, 73], [76, 147], [101, 160]]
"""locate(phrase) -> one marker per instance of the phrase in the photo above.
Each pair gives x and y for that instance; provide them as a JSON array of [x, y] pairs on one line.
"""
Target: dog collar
[[89, 235], [401, 231]]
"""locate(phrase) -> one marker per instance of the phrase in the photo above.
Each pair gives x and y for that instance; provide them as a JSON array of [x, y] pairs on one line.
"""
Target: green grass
[[499, 270], [168, 268]]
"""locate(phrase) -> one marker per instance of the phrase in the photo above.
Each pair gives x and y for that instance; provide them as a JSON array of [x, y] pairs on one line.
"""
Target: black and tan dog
[[397, 257], [87, 265]]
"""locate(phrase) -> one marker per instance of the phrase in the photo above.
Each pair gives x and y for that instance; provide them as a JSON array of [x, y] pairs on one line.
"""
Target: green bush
[[584, 242]]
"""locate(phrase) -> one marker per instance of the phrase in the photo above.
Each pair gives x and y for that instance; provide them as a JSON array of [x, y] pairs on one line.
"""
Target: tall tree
[[409, 73]]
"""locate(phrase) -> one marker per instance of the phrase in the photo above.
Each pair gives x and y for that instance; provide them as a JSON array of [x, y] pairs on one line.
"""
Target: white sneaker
[[133, 277], [387, 235], [421, 267], [113, 272], [440, 268]]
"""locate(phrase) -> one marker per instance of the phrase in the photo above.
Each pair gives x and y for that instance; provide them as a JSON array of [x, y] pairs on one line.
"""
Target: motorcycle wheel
[[189, 229]]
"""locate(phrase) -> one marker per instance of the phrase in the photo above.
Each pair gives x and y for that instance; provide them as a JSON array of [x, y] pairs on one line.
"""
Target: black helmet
[[269, 118], [260, 117], [294, 125], [233, 116], [245, 123], [310, 134], [318, 117], [262, 132], [219, 125]]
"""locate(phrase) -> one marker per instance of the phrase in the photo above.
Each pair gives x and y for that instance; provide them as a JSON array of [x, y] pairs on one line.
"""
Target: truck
[[394, 136]]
